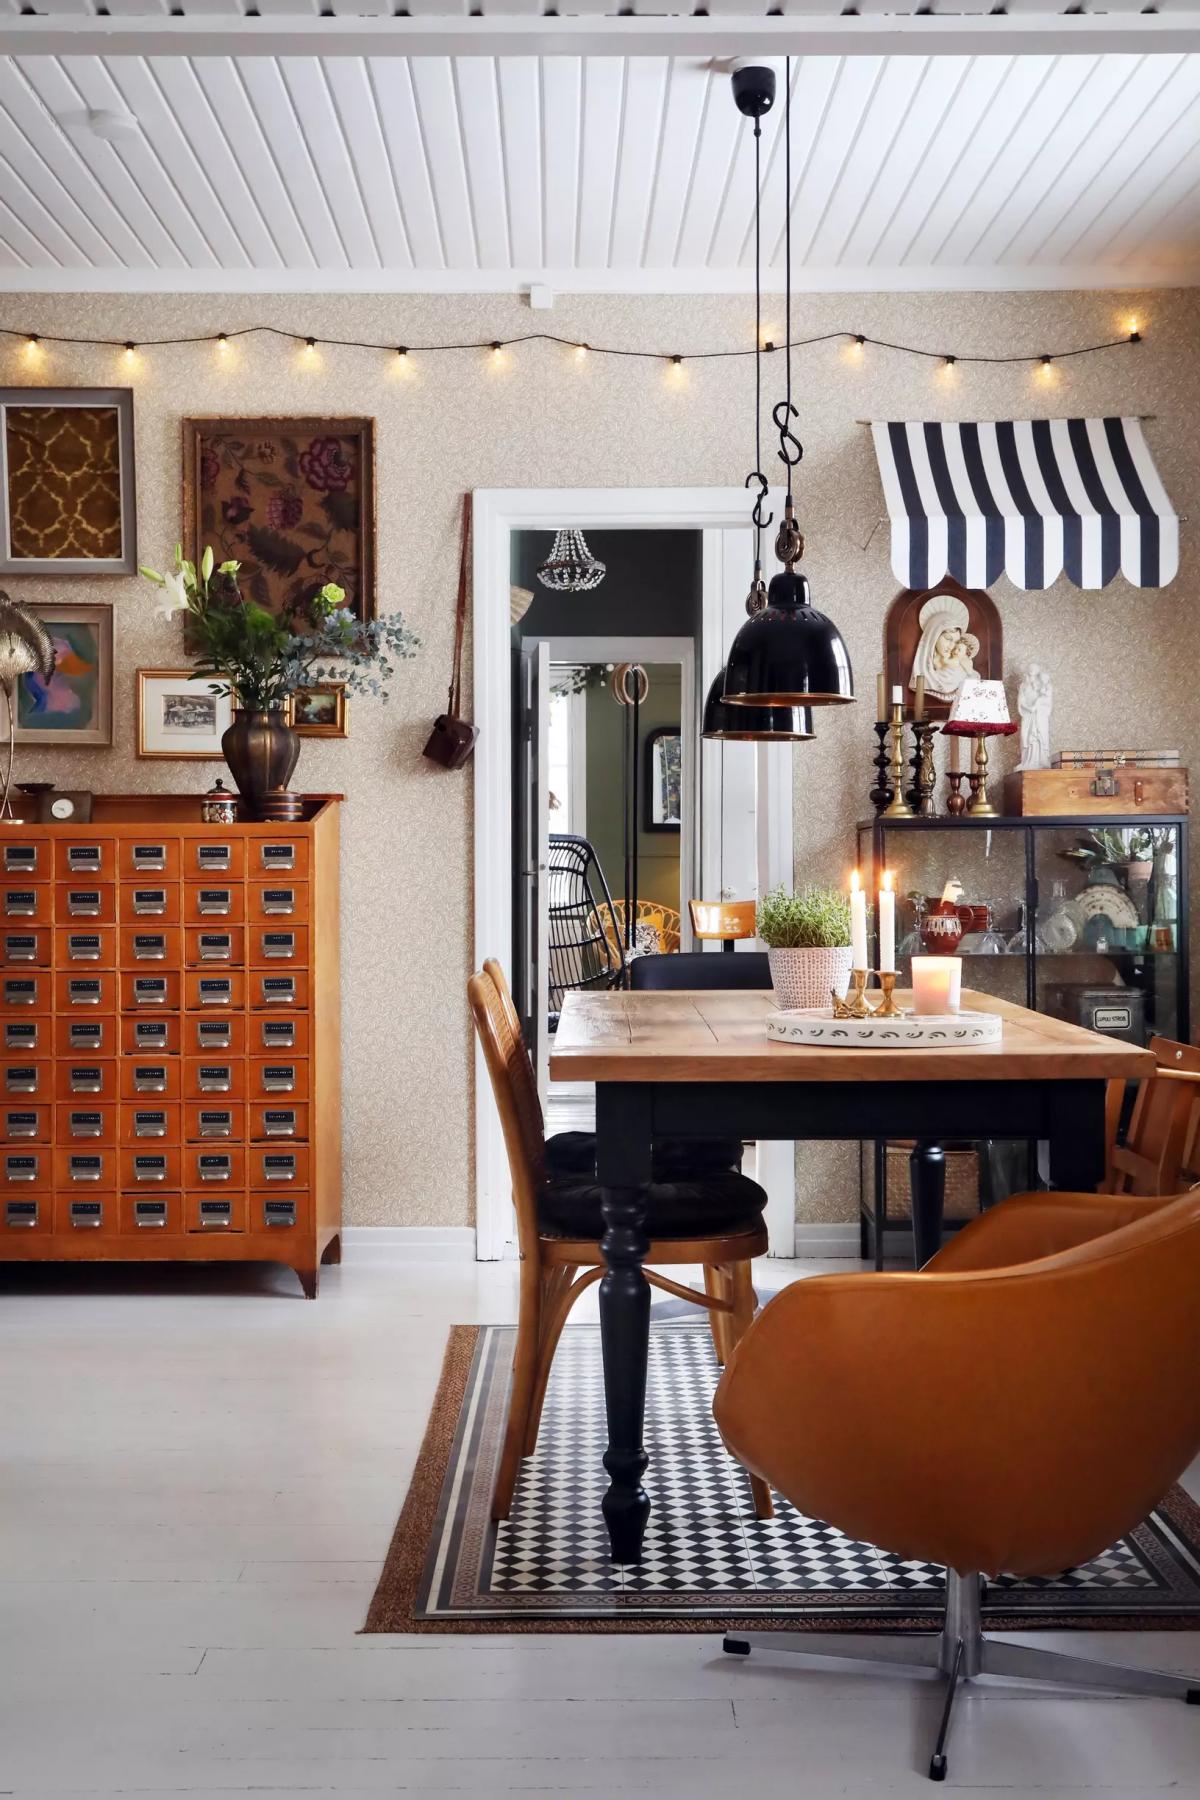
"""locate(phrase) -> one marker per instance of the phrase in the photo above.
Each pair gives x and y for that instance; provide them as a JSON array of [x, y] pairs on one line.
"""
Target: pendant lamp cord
[[790, 448], [761, 521]]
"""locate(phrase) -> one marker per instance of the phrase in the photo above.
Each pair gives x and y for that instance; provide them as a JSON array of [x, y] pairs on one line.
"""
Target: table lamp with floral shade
[[25, 649], [980, 711]]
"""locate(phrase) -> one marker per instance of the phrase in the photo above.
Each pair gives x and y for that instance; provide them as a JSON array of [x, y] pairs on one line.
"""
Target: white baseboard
[[408, 1243], [828, 1240]]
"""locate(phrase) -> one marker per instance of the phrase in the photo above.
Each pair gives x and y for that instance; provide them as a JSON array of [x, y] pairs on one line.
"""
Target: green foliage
[[815, 918]]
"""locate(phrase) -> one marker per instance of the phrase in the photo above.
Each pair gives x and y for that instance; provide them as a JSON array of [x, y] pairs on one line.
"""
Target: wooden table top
[[705, 1036]]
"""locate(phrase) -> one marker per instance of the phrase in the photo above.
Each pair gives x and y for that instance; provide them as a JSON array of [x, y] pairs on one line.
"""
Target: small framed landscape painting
[[66, 482], [178, 715], [74, 708], [319, 711]]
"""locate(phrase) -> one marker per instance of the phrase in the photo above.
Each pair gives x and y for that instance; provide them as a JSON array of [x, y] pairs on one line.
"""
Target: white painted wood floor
[[200, 1475]]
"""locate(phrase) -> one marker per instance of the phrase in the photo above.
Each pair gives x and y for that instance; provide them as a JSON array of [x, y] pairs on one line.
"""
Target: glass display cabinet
[[1083, 918]]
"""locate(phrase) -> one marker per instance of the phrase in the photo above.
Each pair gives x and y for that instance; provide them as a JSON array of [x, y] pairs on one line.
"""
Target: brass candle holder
[[887, 1008], [899, 807], [854, 1005], [956, 803]]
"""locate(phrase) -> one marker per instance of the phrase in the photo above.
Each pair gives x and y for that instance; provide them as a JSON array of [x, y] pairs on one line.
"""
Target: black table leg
[[623, 1147], [927, 1179], [1077, 1136]]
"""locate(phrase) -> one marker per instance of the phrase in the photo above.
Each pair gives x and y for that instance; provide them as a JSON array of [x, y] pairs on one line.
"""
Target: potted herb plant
[[807, 935], [260, 659]]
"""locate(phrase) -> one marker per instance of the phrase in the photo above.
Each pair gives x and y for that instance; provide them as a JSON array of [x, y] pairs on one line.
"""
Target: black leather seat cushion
[[570, 1206], [675, 1159]]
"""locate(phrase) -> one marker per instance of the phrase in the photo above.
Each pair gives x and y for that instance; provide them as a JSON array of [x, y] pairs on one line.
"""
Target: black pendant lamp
[[787, 653], [754, 724]]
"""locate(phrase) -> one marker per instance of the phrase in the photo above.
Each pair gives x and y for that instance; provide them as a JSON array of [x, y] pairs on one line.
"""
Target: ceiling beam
[[882, 34]]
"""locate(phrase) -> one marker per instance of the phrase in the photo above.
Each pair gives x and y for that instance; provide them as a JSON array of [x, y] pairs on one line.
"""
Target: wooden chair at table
[[723, 921], [1158, 1142], [556, 1269]]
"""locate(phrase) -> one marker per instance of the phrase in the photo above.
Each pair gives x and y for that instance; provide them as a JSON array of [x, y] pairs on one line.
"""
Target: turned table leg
[[623, 1143]]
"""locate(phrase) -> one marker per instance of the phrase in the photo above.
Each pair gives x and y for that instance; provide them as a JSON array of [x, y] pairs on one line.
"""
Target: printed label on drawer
[[20, 948], [215, 1213], [149, 1122], [84, 946], [20, 1080], [279, 943], [150, 1078], [279, 990], [21, 1124], [150, 1212], [216, 990], [22, 1168], [85, 1078], [21, 1213], [215, 900], [85, 1168], [149, 900], [278, 856], [149, 1168], [150, 990], [215, 1165], [279, 900], [83, 859], [150, 1033], [83, 903], [280, 1121], [279, 1212], [87, 1212], [215, 1078], [279, 1165], [214, 1034], [20, 902], [20, 1036], [1112, 1018], [279, 1078], [86, 1037], [21, 991], [279, 1034], [216, 1123], [152, 858], [149, 946], [216, 946], [86, 1124], [20, 859], [213, 856], [84, 990]]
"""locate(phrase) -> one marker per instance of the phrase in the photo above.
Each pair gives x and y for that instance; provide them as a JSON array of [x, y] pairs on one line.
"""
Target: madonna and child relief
[[946, 650]]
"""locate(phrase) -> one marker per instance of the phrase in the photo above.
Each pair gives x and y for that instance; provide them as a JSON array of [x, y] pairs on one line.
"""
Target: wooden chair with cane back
[[723, 921], [713, 1220], [1159, 1140]]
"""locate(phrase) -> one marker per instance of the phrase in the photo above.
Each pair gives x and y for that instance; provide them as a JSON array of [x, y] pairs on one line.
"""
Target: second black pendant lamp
[[787, 653]]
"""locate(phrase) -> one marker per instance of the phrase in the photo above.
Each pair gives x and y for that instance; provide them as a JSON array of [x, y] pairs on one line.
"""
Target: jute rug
[[708, 1561]]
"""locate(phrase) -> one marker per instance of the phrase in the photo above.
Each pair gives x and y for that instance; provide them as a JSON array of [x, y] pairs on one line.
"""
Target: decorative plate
[[817, 1027], [1113, 902]]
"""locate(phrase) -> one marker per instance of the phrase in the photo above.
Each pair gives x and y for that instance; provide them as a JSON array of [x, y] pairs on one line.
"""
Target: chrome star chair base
[[960, 1653]]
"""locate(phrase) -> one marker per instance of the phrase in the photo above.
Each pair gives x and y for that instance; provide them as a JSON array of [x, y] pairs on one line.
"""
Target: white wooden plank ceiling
[[597, 172]]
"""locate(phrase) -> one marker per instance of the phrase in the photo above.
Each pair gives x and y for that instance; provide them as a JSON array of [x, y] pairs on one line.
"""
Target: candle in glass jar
[[887, 926], [936, 984], [858, 923]]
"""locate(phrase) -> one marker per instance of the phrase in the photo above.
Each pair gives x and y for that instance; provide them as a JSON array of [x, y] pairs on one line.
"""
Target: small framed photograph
[[179, 716], [66, 482], [319, 711], [74, 708]]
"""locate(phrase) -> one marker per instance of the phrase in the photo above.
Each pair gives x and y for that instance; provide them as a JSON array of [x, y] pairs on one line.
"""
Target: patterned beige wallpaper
[[1121, 659]]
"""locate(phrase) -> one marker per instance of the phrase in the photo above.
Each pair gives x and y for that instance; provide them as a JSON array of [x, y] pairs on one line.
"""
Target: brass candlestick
[[979, 806], [956, 803], [854, 1006], [899, 807], [887, 1008]]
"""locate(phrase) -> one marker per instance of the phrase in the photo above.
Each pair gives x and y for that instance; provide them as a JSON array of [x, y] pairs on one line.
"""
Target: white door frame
[[497, 513]]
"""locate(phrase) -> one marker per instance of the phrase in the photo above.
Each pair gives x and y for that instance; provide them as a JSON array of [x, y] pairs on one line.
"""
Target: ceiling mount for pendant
[[570, 567]]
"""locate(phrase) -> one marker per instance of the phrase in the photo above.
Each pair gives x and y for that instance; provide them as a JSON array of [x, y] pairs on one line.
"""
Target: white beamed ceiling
[[624, 173]]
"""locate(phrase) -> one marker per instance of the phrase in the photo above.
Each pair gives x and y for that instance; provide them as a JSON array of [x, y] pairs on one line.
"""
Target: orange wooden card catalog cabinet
[[170, 1063]]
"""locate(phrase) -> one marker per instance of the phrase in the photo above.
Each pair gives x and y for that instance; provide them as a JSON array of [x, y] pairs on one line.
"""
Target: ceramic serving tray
[[932, 1031]]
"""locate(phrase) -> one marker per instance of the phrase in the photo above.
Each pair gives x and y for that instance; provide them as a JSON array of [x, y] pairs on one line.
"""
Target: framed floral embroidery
[[291, 500]]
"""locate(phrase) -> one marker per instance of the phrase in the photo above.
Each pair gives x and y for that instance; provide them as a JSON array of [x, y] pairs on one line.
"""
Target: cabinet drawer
[[150, 946], [214, 903], [285, 1123], [88, 1038], [83, 1122], [22, 901], [150, 1163], [214, 1120], [212, 1165], [148, 859], [214, 1078], [211, 856], [85, 947], [215, 946], [214, 1034], [279, 988], [150, 990], [278, 1209], [85, 859], [26, 1167], [149, 1121], [285, 1033], [151, 1080], [27, 859], [278, 1166], [31, 1124], [150, 905], [31, 1079], [209, 990], [151, 1036], [81, 991], [87, 904], [22, 1036], [81, 1167], [25, 948], [278, 1078], [80, 1081], [278, 945], [28, 991], [26, 1212], [283, 857], [209, 1210], [145, 1214], [284, 903], [97, 1214]]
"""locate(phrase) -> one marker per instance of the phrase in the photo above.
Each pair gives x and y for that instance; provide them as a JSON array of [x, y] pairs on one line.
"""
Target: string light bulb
[[33, 340], [401, 350], [310, 345], [1135, 336], [581, 351], [677, 360], [497, 346], [130, 349], [950, 361], [222, 340]]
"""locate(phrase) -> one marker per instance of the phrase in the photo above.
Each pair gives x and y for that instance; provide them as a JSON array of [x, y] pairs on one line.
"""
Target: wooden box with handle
[[1125, 791]]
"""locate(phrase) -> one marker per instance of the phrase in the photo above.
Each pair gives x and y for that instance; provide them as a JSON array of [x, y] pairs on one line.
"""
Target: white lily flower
[[173, 598]]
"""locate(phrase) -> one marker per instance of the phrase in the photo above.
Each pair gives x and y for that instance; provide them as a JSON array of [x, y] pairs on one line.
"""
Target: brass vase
[[262, 751]]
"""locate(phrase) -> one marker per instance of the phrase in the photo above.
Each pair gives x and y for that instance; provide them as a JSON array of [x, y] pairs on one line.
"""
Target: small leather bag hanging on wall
[[453, 738]]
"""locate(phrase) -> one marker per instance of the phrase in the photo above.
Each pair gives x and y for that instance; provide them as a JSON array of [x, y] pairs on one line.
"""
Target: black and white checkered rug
[[706, 1555]]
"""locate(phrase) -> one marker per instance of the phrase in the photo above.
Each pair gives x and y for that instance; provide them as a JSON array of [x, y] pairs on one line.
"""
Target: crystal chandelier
[[570, 567]]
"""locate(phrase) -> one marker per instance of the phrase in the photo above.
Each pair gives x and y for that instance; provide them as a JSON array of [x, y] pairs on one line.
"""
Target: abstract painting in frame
[[67, 502], [291, 500], [74, 708]]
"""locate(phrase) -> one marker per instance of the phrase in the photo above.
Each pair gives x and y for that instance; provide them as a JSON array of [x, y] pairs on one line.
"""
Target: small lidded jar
[[218, 806]]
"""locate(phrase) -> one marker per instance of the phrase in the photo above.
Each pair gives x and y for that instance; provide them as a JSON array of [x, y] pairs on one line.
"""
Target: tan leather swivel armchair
[[1045, 1399]]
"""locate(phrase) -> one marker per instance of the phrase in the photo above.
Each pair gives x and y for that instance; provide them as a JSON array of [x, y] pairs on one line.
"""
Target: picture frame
[[290, 499], [319, 710], [73, 710], [68, 502], [179, 717], [662, 801], [969, 615]]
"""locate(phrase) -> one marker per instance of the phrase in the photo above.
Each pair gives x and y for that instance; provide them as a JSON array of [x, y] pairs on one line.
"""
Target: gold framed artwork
[[179, 716], [291, 500], [67, 504], [319, 711], [72, 710]]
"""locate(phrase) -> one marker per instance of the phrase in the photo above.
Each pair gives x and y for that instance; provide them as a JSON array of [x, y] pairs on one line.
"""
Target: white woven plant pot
[[805, 977]]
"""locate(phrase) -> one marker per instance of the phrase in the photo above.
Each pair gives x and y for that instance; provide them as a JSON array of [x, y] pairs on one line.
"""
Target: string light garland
[[857, 339]]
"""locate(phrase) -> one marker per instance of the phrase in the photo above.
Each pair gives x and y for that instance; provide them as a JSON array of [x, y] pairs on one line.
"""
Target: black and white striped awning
[[1031, 497]]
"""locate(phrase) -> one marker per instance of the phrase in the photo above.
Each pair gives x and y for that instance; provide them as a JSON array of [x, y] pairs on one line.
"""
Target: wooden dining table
[[694, 1065]]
